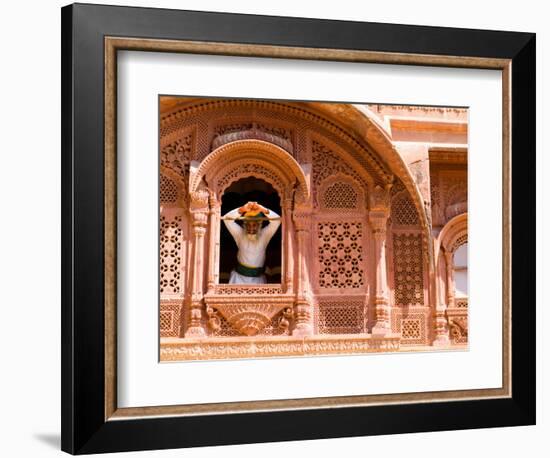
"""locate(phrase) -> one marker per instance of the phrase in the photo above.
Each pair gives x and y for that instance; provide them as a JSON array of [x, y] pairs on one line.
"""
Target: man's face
[[252, 227]]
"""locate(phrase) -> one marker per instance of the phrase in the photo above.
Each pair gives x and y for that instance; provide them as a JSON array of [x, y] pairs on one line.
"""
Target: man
[[251, 239]]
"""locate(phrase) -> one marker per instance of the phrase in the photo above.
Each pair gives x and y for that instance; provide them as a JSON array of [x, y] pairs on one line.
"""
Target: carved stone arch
[[453, 234], [234, 171], [344, 188], [300, 116], [257, 158], [362, 123], [355, 125], [253, 125]]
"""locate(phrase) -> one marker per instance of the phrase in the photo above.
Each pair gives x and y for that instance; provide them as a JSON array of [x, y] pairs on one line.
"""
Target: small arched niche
[[236, 195]]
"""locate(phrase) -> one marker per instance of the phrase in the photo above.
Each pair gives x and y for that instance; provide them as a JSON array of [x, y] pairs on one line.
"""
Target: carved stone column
[[289, 245], [450, 279], [378, 217], [441, 325], [199, 217], [303, 310], [213, 242]]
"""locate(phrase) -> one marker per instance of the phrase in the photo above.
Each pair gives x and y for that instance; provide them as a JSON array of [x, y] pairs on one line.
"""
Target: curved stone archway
[[354, 124], [359, 120], [449, 318], [452, 235], [257, 158]]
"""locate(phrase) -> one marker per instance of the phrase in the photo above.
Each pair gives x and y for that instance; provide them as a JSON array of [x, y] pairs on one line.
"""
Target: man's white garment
[[251, 250]]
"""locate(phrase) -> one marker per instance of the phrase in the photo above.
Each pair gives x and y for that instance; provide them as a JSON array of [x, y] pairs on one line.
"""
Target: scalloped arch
[[451, 232], [361, 121], [343, 178], [250, 158], [355, 124]]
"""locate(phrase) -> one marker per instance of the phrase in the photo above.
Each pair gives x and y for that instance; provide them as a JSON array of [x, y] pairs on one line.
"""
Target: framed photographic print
[[280, 228]]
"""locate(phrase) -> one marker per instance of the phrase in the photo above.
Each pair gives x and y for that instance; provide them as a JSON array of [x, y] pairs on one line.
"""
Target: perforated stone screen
[[170, 319], [170, 254], [341, 316], [340, 254], [340, 195], [403, 211], [408, 269], [168, 190]]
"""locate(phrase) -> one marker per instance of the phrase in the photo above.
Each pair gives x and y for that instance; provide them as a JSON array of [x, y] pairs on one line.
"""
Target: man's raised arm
[[231, 225], [271, 228]]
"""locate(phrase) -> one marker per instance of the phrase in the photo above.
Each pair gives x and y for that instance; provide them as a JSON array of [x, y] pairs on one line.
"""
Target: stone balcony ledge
[[178, 349]]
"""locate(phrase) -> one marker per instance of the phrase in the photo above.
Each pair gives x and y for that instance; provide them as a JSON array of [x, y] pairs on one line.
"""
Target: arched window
[[237, 194]]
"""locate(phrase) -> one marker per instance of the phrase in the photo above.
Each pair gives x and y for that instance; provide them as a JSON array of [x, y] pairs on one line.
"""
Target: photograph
[[301, 228], [281, 228]]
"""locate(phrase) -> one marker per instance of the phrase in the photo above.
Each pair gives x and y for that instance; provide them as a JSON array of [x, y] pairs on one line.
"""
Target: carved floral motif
[[274, 346], [176, 155], [249, 319]]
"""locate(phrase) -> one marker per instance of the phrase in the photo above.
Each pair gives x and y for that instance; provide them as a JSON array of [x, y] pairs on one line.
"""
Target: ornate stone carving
[[248, 169], [244, 158], [214, 321], [286, 316], [191, 349], [380, 198], [408, 264], [378, 221], [253, 134], [169, 191], [340, 254], [251, 313], [249, 319], [342, 315], [403, 211], [412, 323], [170, 315], [340, 193], [199, 213], [247, 290], [274, 111], [199, 200], [303, 305], [177, 154], [353, 186], [327, 163], [458, 329]]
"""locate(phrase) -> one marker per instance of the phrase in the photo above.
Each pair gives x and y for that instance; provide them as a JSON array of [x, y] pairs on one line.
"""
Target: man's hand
[[254, 207]]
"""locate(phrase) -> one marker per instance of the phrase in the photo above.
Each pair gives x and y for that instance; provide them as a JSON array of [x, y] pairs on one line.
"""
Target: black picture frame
[[85, 428]]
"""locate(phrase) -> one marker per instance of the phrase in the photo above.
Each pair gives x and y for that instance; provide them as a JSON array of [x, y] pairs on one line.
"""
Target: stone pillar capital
[[199, 199], [213, 201], [380, 198], [379, 221], [302, 219]]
